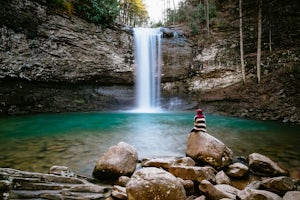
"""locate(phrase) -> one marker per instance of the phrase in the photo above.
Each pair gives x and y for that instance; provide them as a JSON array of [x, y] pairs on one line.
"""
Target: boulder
[[185, 161], [292, 195], [119, 192], [204, 148], [122, 181], [166, 162], [279, 185], [262, 165], [5, 185], [222, 178], [202, 197], [194, 173], [253, 194], [61, 171], [237, 170], [153, 183], [188, 186], [217, 192], [117, 161], [33, 185], [163, 162]]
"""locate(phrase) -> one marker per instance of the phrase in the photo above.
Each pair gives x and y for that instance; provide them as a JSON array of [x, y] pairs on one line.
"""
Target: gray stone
[[263, 165], [279, 185], [117, 161], [61, 170], [216, 193], [204, 148], [194, 173], [292, 195], [152, 183], [119, 192], [237, 170], [253, 194], [222, 178]]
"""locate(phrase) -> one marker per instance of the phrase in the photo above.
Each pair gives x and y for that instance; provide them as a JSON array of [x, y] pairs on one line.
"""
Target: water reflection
[[78, 140]]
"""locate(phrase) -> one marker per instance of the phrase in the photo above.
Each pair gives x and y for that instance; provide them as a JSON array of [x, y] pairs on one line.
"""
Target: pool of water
[[78, 140]]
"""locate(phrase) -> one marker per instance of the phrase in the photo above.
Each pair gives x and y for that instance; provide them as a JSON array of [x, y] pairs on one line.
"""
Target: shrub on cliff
[[97, 11], [101, 12]]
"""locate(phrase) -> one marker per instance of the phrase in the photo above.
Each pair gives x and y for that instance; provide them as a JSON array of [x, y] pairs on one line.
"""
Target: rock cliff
[[53, 62], [53, 47]]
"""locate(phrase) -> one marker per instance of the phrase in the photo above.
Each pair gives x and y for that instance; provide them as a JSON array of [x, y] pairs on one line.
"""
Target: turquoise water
[[77, 140]]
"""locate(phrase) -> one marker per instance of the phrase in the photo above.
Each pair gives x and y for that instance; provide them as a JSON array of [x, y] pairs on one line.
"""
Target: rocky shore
[[208, 172]]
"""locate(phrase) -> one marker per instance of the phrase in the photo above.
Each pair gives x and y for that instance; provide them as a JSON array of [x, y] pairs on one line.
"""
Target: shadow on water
[[78, 140]]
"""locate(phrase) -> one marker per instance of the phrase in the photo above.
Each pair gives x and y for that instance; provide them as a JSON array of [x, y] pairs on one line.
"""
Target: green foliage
[[133, 12], [156, 25], [97, 11], [193, 14]]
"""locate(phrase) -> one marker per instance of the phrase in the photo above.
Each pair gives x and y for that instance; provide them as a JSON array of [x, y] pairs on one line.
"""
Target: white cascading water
[[147, 43]]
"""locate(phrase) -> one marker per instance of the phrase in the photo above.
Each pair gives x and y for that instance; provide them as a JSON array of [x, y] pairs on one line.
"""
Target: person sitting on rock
[[199, 121]]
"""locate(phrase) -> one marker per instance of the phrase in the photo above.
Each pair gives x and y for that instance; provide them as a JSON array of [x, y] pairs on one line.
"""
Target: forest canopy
[[105, 12]]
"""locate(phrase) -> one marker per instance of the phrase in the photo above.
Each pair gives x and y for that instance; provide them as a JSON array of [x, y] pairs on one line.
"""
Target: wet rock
[[204, 148], [253, 194], [32, 185], [202, 197], [164, 162], [61, 170], [263, 165], [222, 178], [167, 162], [5, 185], [152, 183], [194, 173], [117, 161], [217, 192], [122, 180], [292, 195], [237, 170], [185, 161], [278, 185], [119, 192], [188, 186]]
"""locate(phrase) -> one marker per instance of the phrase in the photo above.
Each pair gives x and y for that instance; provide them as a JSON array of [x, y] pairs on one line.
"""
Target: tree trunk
[[207, 16], [174, 12], [258, 63], [270, 39], [241, 42]]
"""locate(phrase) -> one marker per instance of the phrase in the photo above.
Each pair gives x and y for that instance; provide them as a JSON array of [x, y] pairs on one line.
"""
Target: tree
[[259, 22], [241, 41], [133, 12], [98, 11], [207, 16]]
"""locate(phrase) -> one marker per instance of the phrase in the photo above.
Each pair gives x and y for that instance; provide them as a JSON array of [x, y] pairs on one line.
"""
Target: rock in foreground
[[117, 161], [204, 148], [153, 183], [32, 185]]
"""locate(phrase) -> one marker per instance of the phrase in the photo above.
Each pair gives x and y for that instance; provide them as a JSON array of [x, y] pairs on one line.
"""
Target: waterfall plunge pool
[[77, 140]]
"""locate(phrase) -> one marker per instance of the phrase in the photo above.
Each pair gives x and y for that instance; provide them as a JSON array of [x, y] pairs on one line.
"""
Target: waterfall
[[147, 43]]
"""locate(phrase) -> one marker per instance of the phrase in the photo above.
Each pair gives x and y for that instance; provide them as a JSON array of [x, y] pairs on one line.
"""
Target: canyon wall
[[53, 62]]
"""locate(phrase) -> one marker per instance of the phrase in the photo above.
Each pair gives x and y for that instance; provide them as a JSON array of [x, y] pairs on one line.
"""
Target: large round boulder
[[264, 166], [117, 161], [206, 149], [153, 183]]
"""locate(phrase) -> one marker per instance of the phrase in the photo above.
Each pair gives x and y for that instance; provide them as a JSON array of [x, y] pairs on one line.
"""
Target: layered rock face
[[40, 45], [51, 62], [58, 48]]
